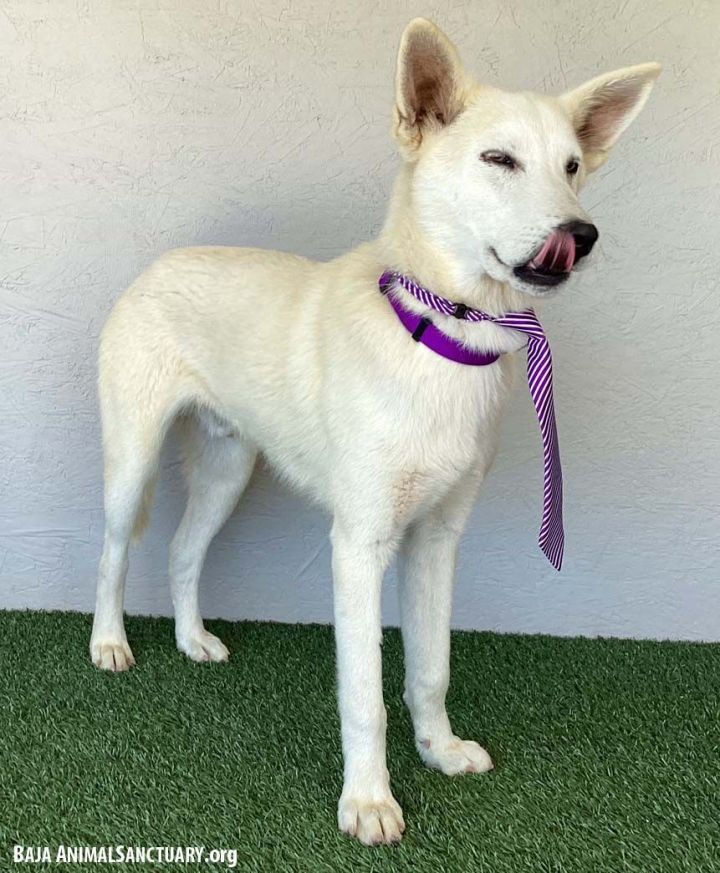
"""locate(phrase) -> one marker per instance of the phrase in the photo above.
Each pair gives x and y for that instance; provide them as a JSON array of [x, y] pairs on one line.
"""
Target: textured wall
[[127, 128]]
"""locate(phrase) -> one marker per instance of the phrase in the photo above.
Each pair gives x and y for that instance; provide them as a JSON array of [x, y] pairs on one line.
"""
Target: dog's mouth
[[552, 263]]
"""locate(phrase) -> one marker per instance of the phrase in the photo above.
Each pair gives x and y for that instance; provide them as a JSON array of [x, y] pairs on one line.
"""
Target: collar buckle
[[460, 311]]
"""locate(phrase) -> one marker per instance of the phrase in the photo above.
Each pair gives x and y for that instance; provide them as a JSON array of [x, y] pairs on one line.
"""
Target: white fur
[[254, 350]]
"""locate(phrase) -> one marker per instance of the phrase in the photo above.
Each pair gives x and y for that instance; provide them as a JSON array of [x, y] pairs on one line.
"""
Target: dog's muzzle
[[553, 262]]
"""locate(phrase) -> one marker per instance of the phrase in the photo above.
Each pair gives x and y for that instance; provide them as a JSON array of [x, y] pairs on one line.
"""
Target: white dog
[[259, 351]]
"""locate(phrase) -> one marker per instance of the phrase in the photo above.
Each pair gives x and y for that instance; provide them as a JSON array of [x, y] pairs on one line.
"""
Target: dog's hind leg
[[218, 465], [142, 384], [132, 447]]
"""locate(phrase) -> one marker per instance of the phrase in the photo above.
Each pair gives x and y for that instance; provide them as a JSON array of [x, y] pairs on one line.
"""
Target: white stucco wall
[[131, 126]]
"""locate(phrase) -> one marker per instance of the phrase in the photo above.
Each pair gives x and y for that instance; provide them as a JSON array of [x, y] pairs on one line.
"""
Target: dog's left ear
[[430, 85], [604, 107]]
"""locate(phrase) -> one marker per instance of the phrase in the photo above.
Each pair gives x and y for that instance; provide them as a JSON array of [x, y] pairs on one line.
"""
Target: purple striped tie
[[539, 372]]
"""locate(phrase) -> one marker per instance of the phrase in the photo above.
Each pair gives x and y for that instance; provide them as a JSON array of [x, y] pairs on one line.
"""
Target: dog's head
[[496, 175]]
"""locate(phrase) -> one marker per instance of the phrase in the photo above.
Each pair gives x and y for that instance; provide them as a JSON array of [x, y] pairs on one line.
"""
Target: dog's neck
[[406, 248]]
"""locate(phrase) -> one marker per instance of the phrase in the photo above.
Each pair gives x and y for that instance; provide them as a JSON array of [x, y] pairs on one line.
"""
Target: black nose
[[585, 234]]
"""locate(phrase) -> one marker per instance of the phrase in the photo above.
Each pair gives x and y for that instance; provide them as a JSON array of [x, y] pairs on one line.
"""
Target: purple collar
[[424, 331]]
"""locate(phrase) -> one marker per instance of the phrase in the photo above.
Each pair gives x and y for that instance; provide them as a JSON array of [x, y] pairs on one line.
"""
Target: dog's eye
[[572, 167], [501, 159]]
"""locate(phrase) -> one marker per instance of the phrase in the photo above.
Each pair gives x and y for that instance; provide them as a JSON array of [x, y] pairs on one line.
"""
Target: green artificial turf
[[606, 751]]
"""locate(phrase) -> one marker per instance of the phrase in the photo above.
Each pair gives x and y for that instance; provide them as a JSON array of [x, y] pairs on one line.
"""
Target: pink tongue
[[557, 253]]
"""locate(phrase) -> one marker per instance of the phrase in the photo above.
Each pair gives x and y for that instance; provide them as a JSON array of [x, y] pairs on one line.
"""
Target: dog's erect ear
[[604, 107], [430, 84]]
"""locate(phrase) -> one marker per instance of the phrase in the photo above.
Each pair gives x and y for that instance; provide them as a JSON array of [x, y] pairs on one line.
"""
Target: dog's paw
[[114, 655], [203, 646], [455, 756], [373, 821]]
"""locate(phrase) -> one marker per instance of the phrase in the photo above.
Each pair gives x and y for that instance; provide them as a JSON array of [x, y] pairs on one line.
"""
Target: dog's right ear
[[430, 85]]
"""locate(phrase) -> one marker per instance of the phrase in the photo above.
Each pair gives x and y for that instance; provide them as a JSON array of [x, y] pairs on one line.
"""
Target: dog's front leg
[[367, 808], [427, 569]]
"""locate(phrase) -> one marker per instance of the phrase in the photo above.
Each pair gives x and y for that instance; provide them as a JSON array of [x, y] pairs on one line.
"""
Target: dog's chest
[[440, 435], [404, 441]]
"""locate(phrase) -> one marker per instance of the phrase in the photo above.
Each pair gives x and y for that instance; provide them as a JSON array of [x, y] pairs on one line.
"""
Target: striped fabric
[[539, 372]]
